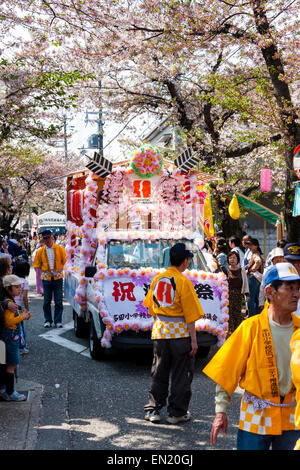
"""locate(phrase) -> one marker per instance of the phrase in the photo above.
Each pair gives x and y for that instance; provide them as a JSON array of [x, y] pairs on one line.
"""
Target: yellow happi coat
[[41, 262], [177, 302], [247, 359], [295, 367]]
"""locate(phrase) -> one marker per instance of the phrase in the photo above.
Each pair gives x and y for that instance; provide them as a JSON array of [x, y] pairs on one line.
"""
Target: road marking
[[54, 335]]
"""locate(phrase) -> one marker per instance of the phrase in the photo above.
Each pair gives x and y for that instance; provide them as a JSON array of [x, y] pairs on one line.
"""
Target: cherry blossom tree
[[223, 72], [30, 177]]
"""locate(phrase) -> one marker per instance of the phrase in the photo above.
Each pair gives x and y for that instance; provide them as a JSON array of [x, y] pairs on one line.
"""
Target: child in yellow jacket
[[11, 335]]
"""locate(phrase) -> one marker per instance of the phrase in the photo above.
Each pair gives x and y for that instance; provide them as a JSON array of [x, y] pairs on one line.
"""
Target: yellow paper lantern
[[234, 210]]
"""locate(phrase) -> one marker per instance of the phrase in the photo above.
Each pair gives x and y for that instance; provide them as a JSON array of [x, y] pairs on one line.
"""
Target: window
[[143, 253]]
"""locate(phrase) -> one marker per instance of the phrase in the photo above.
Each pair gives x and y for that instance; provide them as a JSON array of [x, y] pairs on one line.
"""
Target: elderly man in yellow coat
[[257, 358], [50, 259], [295, 366]]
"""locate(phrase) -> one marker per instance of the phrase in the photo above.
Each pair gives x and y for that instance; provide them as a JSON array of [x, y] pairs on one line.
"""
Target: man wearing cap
[[174, 304], [292, 255], [257, 358], [50, 259]]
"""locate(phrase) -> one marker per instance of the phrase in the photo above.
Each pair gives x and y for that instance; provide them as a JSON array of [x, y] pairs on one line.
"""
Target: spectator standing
[[5, 269], [292, 255], [15, 250], [51, 259], [11, 335], [235, 245], [246, 244], [174, 304], [238, 287], [276, 256], [257, 357], [221, 255], [22, 270], [3, 248], [254, 272], [38, 281]]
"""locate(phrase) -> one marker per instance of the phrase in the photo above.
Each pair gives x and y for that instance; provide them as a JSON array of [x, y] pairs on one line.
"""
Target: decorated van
[[121, 224]]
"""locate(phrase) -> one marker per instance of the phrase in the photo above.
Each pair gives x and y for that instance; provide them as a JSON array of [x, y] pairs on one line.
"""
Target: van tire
[[81, 327], [97, 352], [203, 351]]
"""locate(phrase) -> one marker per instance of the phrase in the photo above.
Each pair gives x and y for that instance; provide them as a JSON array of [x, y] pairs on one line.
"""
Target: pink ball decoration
[[266, 180]]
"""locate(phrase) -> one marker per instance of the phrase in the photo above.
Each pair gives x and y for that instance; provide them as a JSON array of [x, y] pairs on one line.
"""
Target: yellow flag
[[206, 214]]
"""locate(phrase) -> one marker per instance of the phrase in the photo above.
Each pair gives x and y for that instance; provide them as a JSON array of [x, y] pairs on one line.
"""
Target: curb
[[19, 422]]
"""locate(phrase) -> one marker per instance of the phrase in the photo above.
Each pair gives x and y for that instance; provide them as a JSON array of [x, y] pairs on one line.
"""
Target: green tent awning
[[260, 210]]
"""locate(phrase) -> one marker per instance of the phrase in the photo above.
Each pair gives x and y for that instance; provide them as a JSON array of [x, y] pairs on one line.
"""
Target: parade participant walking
[[173, 302], [50, 259], [257, 358], [11, 335], [295, 368], [292, 255]]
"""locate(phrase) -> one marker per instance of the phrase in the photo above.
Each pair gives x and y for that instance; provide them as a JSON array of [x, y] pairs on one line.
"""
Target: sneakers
[[15, 396], [24, 351], [58, 325], [152, 416], [47, 324], [179, 419]]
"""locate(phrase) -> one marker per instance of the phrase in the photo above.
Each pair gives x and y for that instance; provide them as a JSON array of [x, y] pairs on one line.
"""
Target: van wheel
[[81, 327], [96, 350]]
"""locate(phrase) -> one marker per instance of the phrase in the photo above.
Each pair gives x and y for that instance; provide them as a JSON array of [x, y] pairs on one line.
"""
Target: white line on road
[[54, 335]]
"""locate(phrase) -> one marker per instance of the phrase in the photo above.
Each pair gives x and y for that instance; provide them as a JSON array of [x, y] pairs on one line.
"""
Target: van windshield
[[143, 253]]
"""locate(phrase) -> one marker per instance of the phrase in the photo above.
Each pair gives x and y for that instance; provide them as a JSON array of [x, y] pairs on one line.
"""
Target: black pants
[[171, 356]]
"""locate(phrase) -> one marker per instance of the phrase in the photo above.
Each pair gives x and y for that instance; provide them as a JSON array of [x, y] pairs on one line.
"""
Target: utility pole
[[65, 137], [100, 127]]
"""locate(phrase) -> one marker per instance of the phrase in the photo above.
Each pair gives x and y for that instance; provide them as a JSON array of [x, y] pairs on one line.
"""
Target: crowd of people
[[260, 353], [242, 261], [48, 259]]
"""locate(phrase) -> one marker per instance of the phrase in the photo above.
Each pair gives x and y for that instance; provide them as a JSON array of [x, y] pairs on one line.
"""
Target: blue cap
[[46, 233], [292, 251], [281, 272], [179, 249]]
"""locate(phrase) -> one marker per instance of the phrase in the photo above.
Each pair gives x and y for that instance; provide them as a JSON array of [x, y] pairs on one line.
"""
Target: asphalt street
[[77, 403]]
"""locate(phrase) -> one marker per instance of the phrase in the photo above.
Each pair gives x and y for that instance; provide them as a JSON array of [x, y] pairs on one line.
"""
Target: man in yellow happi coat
[[173, 302], [295, 366], [50, 259], [257, 358]]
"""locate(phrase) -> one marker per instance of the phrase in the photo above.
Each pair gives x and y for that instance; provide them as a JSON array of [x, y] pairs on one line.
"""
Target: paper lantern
[[233, 209], [297, 161], [266, 180]]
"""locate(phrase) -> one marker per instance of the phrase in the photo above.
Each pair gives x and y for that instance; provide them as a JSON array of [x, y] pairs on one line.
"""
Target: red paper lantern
[[296, 161], [266, 180]]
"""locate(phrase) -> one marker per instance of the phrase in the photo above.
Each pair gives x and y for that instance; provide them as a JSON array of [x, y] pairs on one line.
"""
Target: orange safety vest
[[247, 359]]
